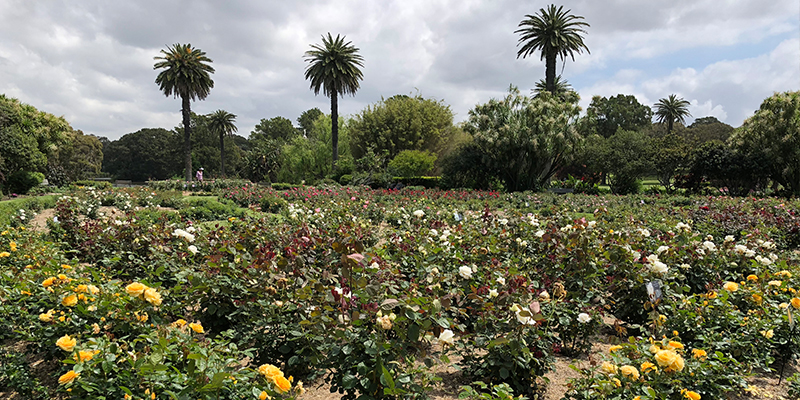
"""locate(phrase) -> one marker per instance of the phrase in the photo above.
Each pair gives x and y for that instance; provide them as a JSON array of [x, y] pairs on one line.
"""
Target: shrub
[[272, 204], [21, 182], [412, 163]]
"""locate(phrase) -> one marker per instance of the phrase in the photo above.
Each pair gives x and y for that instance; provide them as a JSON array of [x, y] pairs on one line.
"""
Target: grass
[[9, 209]]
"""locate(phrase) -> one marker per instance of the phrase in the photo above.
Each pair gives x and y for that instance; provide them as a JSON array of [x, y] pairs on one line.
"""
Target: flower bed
[[370, 289]]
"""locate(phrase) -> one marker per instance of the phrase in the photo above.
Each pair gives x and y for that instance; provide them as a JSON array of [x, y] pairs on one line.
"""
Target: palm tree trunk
[[335, 127], [669, 126], [550, 72], [187, 137], [222, 152]]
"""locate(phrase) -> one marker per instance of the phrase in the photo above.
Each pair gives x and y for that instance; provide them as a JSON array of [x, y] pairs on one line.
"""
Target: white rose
[[465, 272], [419, 213], [584, 318], [447, 337]]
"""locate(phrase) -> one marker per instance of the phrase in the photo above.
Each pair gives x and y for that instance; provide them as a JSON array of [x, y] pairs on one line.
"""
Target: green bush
[[285, 186], [345, 179], [412, 163], [100, 185], [21, 182], [272, 204]]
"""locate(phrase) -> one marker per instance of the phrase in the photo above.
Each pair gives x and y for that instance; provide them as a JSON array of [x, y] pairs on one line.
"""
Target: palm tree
[[562, 88], [185, 75], [334, 68], [672, 109], [554, 32], [223, 123]]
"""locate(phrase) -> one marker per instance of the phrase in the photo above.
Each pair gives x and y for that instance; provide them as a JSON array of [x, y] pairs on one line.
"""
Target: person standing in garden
[[199, 175]]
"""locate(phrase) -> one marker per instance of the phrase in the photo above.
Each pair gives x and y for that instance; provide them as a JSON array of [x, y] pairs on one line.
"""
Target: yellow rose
[[4, 254], [135, 289], [699, 353], [795, 302], [614, 348], [152, 296], [629, 371], [46, 317], [757, 298], [48, 282], [66, 343], [68, 377], [608, 368], [63, 277], [648, 366], [654, 349], [270, 371], [752, 278], [93, 289], [282, 384], [731, 286], [82, 289], [263, 396], [690, 394], [677, 365], [84, 355], [768, 334], [675, 345], [70, 300], [616, 381], [179, 323], [665, 358], [197, 327]]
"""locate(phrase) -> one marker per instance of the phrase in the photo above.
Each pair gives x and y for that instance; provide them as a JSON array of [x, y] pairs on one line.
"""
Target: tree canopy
[[554, 33], [335, 69], [186, 74], [773, 135], [672, 109], [519, 140], [401, 123], [606, 115]]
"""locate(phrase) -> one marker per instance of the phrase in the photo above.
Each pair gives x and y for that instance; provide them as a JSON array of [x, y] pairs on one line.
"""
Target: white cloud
[[92, 60]]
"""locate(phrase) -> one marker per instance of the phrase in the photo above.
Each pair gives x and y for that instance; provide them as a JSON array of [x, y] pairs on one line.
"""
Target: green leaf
[[386, 379], [413, 332]]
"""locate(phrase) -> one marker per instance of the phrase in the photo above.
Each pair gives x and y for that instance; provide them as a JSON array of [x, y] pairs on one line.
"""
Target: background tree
[[401, 123], [143, 155], [28, 138], [80, 157], [627, 156], [334, 69], [185, 75], [672, 109], [562, 88], [773, 135], [521, 141], [224, 124], [706, 129], [605, 116], [555, 33], [267, 141], [672, 158], [309, 159], [307, 118]]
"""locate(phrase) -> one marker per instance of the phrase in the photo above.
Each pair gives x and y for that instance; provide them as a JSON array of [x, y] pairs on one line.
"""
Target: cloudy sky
[[92, 60]]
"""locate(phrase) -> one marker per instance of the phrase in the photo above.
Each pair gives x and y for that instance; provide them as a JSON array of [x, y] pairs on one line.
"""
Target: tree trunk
[[335, 128], [669, 126], [550, 72], [222, 152], [187, 137]]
